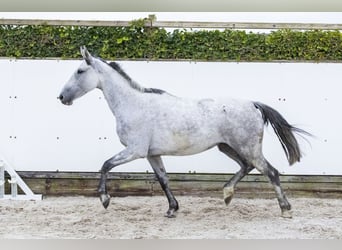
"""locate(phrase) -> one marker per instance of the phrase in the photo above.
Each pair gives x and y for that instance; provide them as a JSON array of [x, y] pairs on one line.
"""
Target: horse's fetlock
[[228, 191], [174, 206], [286, 206]]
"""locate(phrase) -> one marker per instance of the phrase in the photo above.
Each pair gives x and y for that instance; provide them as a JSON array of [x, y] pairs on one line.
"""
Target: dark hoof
[[228, 193], [105, 200], [227, 200]]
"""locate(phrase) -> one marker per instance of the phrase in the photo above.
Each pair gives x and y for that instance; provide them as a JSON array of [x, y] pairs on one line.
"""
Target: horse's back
[[186, 126]]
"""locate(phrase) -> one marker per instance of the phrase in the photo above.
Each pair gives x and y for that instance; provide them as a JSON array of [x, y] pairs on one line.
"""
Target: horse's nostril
[[60, 97]]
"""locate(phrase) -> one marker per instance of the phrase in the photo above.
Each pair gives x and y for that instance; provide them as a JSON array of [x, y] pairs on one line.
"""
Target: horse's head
[[83, 80]]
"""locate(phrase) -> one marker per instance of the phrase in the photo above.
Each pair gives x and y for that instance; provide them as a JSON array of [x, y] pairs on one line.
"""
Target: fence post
[[2, 179], [15, 181], [14, 186]]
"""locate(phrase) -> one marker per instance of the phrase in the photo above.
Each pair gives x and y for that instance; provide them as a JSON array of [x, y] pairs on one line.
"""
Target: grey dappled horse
[[151, 123]]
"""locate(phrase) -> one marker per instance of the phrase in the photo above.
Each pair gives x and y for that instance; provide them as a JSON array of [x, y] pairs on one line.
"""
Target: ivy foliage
[[140, 42]]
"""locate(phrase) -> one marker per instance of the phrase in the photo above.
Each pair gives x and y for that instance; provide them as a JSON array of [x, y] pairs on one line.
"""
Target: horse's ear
[[86, 55]]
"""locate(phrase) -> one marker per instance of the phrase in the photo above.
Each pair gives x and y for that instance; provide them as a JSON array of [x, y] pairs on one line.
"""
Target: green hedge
[[139, 42]]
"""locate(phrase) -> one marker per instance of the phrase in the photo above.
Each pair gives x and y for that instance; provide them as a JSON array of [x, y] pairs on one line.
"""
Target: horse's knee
[[106, 167], [267, 170]]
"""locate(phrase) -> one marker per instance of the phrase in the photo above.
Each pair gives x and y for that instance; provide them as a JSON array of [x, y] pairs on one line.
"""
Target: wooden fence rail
[[151, 22], [122, 184]]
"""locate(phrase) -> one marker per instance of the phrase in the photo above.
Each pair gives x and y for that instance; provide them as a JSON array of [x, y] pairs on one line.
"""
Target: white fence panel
[[38, 133]]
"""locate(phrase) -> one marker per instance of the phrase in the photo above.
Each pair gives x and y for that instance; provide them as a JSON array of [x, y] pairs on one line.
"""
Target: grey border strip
[[170, 6], [178, 24]]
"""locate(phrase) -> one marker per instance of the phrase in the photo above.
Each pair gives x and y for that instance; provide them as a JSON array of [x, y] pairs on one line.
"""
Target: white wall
[[38, 133]]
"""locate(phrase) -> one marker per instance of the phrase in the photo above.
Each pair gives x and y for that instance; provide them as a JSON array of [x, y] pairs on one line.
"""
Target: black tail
[[283, 130]]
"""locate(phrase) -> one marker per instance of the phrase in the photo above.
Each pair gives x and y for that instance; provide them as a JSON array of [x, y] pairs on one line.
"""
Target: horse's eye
[[80, 71]]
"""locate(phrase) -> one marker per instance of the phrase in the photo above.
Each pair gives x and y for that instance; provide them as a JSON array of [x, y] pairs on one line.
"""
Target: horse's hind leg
[[159, 170], [229, 186], [273, 175]]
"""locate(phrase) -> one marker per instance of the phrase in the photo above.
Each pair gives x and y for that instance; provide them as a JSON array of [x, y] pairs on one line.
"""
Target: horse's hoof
[[286, 214], [227, 200], [170, 213], [228, 193], [105, 199]]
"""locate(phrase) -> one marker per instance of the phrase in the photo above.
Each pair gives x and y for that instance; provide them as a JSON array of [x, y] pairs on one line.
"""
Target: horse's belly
[[180, 144], [191, 150]]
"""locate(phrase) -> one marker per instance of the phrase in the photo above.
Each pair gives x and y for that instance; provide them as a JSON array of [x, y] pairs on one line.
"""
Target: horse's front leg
[[124, 156], [159, 170]]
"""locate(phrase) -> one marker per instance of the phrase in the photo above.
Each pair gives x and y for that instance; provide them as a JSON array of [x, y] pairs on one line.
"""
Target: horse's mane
[[132, 83]]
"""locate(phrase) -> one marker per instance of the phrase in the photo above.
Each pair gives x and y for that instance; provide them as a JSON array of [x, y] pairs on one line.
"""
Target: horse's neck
[[121, 97]]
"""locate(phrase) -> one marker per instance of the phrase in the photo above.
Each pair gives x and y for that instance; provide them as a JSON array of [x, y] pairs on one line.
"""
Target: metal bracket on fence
[[15, 181]]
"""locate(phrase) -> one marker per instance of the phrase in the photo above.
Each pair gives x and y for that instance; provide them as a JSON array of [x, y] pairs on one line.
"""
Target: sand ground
[[142, 218]]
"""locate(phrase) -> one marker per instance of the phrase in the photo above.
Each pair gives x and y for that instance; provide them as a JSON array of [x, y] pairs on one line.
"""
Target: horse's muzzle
[[62, 99]]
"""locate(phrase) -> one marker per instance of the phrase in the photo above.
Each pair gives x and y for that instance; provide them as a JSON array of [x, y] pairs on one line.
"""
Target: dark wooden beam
[[123, 184]]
